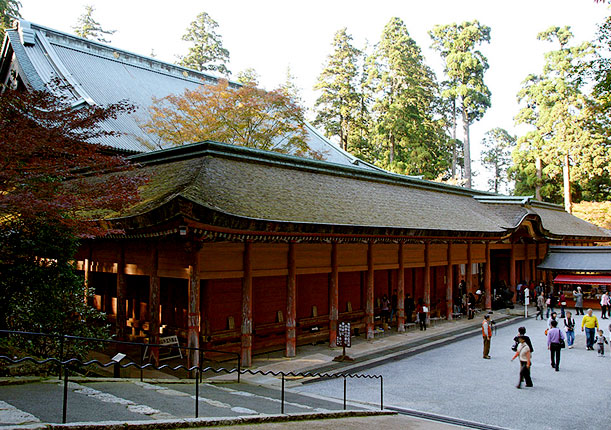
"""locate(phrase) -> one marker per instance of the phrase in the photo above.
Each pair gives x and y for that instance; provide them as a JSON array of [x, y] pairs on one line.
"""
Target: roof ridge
[[209, 147]]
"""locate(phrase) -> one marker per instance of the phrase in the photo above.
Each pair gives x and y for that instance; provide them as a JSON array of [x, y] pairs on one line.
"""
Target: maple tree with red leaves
[[49, 160], [56, 180]]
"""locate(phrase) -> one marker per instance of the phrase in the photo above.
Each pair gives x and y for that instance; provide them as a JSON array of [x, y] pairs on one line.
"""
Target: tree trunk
[[454, 151], [467, 147], [392, 148], [539, 168], [568, 204]]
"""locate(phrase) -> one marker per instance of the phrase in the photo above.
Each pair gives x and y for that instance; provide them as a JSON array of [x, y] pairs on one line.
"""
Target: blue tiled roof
[[101, 74]]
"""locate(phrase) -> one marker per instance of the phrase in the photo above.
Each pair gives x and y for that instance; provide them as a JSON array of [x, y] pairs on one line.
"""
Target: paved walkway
[[386, 346], [453, 380]]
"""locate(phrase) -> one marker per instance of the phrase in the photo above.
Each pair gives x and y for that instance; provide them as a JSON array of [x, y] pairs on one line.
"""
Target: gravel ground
[[455, 381]]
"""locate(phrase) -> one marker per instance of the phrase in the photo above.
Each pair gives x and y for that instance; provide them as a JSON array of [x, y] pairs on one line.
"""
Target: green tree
[[206, 52], [498, 144], [88, 28], [338, 104], [9, 9], [235, 114], [464, 66], [406, 126], [565, 153]]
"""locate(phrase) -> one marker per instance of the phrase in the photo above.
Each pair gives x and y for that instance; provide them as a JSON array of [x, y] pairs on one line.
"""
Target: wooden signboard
[[343, 335]]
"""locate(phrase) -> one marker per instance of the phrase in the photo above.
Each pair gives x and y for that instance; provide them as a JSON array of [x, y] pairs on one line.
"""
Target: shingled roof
[[245, 188], [100, 74]]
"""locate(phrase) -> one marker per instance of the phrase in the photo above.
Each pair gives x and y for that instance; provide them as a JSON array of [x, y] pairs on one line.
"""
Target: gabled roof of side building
[[101, 74]]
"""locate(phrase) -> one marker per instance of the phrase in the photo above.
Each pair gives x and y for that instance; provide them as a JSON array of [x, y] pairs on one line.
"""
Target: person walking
[[604, 305], [524, 352], [421, 309], [522, 334], [569, 327], [487, 335], [600, 342], [562, 304], [578, 296], [555, 338], [540, 305], [551, 303], [550, 319], [590, 323], [394, 301]]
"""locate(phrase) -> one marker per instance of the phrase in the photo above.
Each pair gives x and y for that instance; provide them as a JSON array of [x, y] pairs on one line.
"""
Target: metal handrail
[[197, 369]]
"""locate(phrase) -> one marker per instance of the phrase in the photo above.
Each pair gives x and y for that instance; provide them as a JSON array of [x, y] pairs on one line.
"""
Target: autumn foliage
[[223, 112], [50, 158]]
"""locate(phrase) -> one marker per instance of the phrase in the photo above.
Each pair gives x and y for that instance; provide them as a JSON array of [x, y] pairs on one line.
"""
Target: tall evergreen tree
[[465, 66], [406, 125], [88, 28], [207, 51], [9, 9], [498, 144], [338, 105], [565, 142]]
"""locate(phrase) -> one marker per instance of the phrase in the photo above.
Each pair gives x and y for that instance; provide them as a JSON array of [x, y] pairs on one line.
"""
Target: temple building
[[252, 250]]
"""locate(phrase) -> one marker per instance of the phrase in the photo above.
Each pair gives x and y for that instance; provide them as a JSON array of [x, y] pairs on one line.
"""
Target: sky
[[271, 35]]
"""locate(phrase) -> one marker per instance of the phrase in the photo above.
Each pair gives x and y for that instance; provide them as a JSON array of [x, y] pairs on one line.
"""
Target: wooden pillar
[[121, 294], [427, 279], [488, 278], [333, 297], [369, 325], [469, 271], [86, 270], [512, 269], [246, 340], [401, 291], [526, 264], [153, 308], [194, 314], [449, 284], [291, 304]]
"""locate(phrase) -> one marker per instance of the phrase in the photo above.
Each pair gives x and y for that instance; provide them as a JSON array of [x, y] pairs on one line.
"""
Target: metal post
[[344, 392], [381, 393], [197, 393], [282, 407], [239, 367], [141, 363], [65, 405], [61, 355]]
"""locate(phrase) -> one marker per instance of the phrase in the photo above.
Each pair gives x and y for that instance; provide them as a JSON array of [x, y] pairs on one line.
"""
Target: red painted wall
[[380, 284], [269, 297], [349, 290], [225, 297], [312, 290]]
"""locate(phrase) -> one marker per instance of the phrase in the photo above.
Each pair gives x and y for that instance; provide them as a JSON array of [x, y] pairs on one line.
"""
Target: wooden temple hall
[[254, 250]]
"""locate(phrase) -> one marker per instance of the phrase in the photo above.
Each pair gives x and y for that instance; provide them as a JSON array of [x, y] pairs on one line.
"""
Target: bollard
[[381, 393], [197, 393], [141, 363], [239, 367], [344, 392], [65, 405], [282, 402]]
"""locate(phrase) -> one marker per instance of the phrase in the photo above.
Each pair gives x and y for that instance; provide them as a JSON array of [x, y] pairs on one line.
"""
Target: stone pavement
[[389, 345], [453, 380]]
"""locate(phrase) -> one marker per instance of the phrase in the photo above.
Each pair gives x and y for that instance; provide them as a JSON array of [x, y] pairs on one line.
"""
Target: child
[[601, 340]]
